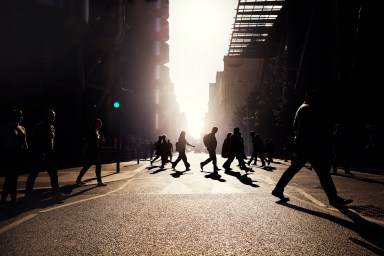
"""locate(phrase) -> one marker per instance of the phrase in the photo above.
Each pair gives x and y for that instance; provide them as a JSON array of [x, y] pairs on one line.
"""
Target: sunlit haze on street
[[200, 31]]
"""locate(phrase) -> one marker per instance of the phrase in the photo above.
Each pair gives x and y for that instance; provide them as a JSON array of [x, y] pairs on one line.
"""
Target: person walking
[[13, 150], [43, 155], [164, 151], [158, 149], [309, 146], [169, 149], [269, 150], [226, 147], [211, 143], [181, 147], [92, 153], [236, 151], [257, 150]]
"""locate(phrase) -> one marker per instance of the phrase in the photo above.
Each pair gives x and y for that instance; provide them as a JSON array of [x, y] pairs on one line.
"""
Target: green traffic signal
[[116, 104]]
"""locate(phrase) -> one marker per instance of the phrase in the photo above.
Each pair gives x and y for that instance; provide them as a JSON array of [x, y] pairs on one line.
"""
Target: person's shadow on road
[[214, 176], [367, 230], [242, 178]]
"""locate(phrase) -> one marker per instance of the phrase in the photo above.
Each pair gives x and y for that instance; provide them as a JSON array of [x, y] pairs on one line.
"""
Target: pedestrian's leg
[[52, 172], [297, 164], [31, 181], [185, 160], [13, 187], [214, 160], [322, 170], [334, 164], [262, 159], [83, 171], [227, 164]]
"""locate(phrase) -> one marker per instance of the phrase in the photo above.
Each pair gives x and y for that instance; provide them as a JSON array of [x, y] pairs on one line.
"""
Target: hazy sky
[[199, 36]]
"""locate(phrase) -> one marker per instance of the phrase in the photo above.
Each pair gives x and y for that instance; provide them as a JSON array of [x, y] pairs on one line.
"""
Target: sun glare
[[199, 38]]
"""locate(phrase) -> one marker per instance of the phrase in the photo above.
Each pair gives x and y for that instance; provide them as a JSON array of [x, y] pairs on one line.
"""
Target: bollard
[[118, 160]]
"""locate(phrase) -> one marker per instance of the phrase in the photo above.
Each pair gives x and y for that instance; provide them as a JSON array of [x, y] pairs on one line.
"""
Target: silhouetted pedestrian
[[181, 147], [169, 149], [226, 147], [257, 149], [342, 148], [164, 151], [93, 139], [210, 143], [13, 150], [236, 151], [269, 150], [158, 149], [309, 146], [42, 144]]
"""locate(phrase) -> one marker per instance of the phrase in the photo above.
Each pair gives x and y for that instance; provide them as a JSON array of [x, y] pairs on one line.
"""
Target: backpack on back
[[207, 140], [178, 146]]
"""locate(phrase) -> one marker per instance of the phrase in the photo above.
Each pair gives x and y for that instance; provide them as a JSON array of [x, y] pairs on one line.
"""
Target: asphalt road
[[176, 212]]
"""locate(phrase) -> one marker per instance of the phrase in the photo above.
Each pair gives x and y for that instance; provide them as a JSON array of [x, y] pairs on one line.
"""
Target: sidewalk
[[68, 176]]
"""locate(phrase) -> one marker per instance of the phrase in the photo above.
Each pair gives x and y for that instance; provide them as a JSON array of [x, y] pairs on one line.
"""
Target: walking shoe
[[201, 166], [101, 184], [280, 195], [340, 201], [80, 183]]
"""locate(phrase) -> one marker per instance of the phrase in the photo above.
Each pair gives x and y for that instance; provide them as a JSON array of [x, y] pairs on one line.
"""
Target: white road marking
[[311, 198], [30, 216], [14, 224]]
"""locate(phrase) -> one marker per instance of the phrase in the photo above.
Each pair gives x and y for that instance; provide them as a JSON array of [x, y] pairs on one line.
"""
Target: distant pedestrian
[[93, 139], [42, 143], [236, 151], [257, 150], [151, 149], [226, 147], [342, 148], [210, 143], [13, 153], [181, 147], [309, 146], [269, 150], [164, 151], [169, 149], [158, 149]]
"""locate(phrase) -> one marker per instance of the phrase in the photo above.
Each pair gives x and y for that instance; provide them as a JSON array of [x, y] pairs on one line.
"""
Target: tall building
[[82, 56]]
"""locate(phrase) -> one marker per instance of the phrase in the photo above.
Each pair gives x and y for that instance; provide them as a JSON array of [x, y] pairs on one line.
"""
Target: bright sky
[[199, 34]]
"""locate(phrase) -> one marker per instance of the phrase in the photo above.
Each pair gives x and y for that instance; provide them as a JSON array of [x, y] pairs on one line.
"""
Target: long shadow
[[214, 176], [367, 230], [42, 198], [352, 176], [268, 168], [177, 174], [242, 178]]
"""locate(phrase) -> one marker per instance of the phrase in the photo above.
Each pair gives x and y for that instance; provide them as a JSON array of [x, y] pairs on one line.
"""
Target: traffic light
[[116, 104]]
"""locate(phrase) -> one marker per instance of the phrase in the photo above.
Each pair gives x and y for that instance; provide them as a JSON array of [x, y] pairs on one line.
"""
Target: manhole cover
[[368, 210]]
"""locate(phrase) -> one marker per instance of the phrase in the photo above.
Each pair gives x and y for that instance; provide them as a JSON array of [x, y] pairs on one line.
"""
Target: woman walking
[[180, 147]]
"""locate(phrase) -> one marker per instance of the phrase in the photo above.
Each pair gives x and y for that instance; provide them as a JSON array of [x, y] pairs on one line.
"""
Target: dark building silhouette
[[79, 57]]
